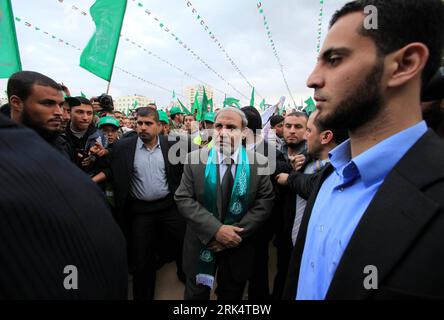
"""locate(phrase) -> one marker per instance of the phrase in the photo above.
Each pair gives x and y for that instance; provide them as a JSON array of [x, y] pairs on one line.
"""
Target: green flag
[[230, 101], [196, 105], [210, 103], [174, 95], [310, 106], [262, 105], [135, 104], [203, 107], [82, 94], [100, 53], [184, 108], [252, 98], [9, 51]]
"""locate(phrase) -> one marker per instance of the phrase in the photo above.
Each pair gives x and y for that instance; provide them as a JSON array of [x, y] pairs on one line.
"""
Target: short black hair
[[253, 117], [401, 22], [84, 100], [147, 112], [297, 114], [20, 83], [339, 134], [276, 119]]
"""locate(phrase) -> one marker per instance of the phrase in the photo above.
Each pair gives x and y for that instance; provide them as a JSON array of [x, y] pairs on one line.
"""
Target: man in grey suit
[[224, 199]]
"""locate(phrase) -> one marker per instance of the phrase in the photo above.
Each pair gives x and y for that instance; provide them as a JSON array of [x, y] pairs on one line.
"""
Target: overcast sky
[[236, 23]]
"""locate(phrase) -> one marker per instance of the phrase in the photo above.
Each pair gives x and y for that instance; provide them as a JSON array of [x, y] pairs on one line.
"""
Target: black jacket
[[122, 166], [400, 233], [53, 216]]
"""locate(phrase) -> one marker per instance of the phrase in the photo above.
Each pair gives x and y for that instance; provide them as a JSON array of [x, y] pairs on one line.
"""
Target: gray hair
[[235, 110]]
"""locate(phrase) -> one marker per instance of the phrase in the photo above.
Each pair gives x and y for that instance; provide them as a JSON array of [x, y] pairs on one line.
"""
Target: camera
[[106, 102]]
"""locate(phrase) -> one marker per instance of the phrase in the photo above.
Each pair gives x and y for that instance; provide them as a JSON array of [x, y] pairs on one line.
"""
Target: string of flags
[[61, 41], [182, 43], [46, 33], [320, 19], [144, 80], [273, 46], [134, 43], [214, 38]]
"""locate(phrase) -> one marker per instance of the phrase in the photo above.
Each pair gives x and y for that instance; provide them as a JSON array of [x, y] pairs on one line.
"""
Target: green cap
[[176, 110], [163, 117], [109, 120], [209, 116]]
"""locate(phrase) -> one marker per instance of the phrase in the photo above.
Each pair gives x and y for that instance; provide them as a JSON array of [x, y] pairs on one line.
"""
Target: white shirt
[[223, 166]]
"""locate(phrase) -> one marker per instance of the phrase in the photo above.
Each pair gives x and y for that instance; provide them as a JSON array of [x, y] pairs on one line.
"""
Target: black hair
[[276, 119], [84, 100], [253, 117], [401, 22], [148, 112], [297, 114], [339, 134], [20, 83]]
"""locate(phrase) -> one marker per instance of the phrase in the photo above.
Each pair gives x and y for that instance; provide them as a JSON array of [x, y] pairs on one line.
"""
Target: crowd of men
[[358, 183]]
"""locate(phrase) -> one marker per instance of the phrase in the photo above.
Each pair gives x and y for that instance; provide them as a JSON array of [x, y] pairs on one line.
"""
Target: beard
[[363, 105], [28, 121]]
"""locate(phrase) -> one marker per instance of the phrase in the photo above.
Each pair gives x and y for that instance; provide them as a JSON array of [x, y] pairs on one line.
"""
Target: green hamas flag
[[9, 51], [252, 98], [262, 105], [310, 106], [203, 107], [196, 105], [210, 103], [82, 94], [183, 107], [99, 55], [230, 101]]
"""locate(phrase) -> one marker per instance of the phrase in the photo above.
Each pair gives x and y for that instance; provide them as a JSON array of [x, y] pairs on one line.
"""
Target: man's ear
[[16, 107], [327, 137], [406, 63]]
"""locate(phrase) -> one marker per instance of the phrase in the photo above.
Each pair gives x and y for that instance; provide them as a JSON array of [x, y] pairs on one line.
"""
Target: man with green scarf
[[224, 199]]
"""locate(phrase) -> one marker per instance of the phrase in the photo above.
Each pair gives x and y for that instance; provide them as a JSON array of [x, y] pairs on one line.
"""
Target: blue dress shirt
[[341, 203]]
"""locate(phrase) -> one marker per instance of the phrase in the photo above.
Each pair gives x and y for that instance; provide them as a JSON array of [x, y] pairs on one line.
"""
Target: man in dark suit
[[373, 223], [144, 181], [58, 237], [224, 199]]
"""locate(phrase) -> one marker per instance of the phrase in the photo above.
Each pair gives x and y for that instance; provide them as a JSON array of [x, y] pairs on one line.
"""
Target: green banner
[[252, 98], [184, 109], [99, 55], [9, 51]]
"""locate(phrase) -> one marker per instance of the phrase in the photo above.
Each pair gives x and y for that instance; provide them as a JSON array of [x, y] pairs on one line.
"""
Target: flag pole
[[109, 84]]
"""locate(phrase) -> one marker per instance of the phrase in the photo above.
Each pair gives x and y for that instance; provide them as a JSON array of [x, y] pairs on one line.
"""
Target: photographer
[[82, 135]]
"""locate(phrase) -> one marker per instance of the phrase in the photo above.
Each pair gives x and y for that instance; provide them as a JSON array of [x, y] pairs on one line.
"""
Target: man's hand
[[282, 179], [216, 246], [99, 150], [228, 236], [86, 162], [297, 161]]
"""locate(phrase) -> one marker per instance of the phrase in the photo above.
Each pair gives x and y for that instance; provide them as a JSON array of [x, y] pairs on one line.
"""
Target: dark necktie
[[226, 188]]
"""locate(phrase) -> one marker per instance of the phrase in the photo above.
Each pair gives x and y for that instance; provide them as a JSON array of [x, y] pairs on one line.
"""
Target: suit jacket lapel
[[130, 155], [164, 147]]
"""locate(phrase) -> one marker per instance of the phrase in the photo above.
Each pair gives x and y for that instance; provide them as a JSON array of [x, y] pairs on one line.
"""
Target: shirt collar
[[141, 145], [374, 164], [234, 156]]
